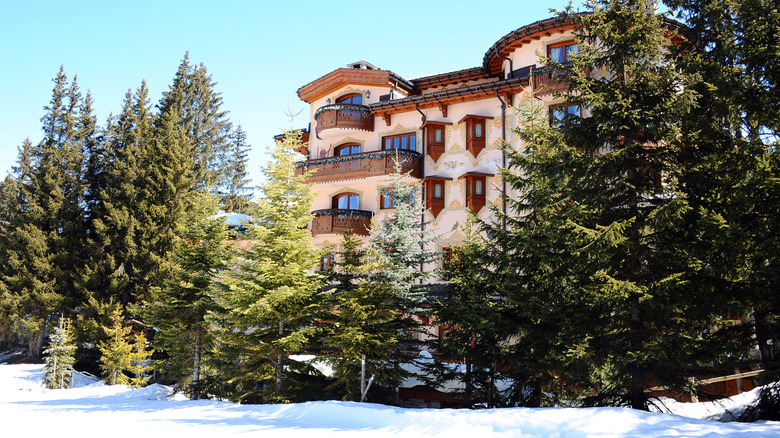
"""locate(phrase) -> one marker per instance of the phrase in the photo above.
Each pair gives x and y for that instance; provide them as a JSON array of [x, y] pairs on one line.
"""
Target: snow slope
[[117, 411]]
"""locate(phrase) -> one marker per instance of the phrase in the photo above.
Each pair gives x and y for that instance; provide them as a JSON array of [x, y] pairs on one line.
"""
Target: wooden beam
[[443, 109]]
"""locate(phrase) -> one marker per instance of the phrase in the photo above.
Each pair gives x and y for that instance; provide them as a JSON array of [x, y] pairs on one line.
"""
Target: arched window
[[346, 201], [350, 99], [346, 149]]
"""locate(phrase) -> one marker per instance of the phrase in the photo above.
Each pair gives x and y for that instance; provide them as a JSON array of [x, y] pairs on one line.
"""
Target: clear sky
[[258, 52]]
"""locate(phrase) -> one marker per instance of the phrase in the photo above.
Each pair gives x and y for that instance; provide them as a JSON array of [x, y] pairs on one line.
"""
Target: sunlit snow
[[118, 411]]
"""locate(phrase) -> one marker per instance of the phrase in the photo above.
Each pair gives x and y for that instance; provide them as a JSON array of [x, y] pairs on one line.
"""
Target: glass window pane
[[403, 143], [478, 129], [343, 203], [413, 142], [439, 135], [478, 187], [355, 148], [571, 49], [354, 202], [437, 191], [357, 100], [396, 142], [556, 54]]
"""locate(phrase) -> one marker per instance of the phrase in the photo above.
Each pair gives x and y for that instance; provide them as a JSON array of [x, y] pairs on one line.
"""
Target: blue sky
[[259, 53]]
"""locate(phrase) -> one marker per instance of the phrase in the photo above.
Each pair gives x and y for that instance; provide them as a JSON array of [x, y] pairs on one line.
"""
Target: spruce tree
[[124, 356], [364, 322], [600, 215], [270, 295], [58, 365], [402, 250], [235, 195], [474, 319], [203, 121], [732, 170], [179, 308]]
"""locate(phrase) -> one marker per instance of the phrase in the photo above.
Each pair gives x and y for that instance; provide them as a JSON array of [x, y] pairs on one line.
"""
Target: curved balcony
[[338, 119], [335, 221], [366, 164]]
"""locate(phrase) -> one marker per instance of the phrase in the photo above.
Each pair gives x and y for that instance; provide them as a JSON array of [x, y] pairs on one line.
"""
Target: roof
[[352, 76]]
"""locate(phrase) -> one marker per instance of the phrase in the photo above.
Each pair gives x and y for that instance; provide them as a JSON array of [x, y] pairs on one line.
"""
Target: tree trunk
[[196, 368], [279, 366]]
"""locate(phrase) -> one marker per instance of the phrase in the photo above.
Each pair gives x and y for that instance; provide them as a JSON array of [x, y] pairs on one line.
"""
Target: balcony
[[551, 78], [340, 118], [334, 221], [364, 165]]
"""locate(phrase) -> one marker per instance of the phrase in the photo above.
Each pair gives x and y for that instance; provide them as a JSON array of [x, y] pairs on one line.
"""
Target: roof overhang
[[351, 76]]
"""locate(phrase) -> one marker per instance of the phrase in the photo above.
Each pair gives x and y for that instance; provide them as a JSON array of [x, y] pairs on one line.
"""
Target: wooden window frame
[[344, 146], [411, 141], [565, 52], [335, 201], [326, 261], [475, 201], [475, 144], [432, 203], [556, 123], [340, 100], [434, 148]]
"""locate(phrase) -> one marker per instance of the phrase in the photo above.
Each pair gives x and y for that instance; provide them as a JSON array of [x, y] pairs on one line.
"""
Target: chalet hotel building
[[446, 128]]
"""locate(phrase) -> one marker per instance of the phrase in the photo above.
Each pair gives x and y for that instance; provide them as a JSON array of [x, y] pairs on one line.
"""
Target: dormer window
[[350, 99]]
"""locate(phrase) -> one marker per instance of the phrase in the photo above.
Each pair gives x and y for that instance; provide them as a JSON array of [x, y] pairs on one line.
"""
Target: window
[[435, 139], [386, 201], [406, 141], [326, 263], [350, 99], [346, 201], [346, 149], [560, 113], [475, 133], [560, 52], [476, 190], [435, 194]]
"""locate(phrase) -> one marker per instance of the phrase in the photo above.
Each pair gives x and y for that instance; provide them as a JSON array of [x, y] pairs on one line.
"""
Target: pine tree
[[123, 353], [40, 269], [603, 262], [270, 295], [203, 121], [179, 308], [474, 319], [365, 322], [401, 247], [58, 367], [732, 172], [236, 193]]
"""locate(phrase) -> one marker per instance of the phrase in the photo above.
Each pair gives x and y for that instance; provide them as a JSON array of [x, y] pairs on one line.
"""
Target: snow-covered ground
[[117, 411]]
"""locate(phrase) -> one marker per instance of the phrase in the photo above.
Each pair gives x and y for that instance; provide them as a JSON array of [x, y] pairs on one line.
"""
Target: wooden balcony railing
[[337, 221], [551, 78], [345, 117], [362, 165]]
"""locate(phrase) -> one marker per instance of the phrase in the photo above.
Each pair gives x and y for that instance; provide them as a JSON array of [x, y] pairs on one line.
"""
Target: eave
[[351, 76]]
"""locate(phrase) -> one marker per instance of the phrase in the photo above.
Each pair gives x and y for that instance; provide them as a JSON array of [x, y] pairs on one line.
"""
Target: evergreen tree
[[732, 172], [236, 194], [40, 269], [606, 215], [203, 121], [365, 322], [179, 308], [473, 317], [402, 251], [270, 295], [58, 367], [124, 356]]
